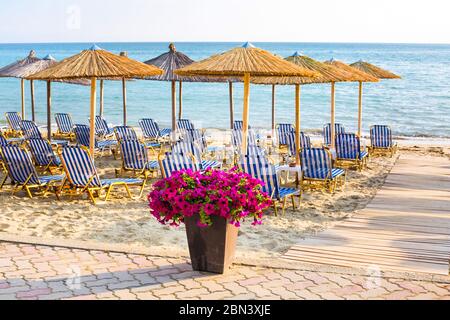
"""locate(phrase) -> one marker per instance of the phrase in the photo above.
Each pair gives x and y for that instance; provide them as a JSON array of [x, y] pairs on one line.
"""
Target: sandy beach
[[128, 222]]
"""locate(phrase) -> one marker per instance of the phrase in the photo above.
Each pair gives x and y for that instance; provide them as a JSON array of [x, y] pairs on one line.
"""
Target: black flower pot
[[211, 249]]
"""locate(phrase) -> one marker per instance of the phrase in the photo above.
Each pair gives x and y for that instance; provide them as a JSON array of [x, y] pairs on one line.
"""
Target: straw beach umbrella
[[171, 61], [358, 76], [246, 62], [373, 71], [41, 65], [94, 64], [326, 74], [19, 69]]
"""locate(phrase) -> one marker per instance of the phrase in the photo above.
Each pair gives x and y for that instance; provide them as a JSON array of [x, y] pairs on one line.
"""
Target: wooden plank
[[405, 228]]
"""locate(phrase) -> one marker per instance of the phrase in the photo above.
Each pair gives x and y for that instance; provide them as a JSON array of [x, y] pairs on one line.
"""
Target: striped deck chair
[[3, 142], [192, 150], [23, 174], [82, 176], [283, 130], [82, 135], [305, 143], [239, 125], [13, 119], [260, 168], [174, 162], [198, 137], [339, 129], [135, 159], [125, 133], [43, 154], [65, 126], [381, 140], [30, 130], [317, 167], [102, 129], [238, 136], [348, 150], [185, 124], [151, 130]]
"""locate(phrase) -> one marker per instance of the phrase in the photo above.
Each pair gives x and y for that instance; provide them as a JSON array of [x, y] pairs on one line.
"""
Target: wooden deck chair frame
[[144, 173], [380, 151], [26, 186], [329, 184], [70, 188]]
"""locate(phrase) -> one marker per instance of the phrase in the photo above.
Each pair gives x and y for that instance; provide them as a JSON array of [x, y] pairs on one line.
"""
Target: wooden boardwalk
[[405, 228]]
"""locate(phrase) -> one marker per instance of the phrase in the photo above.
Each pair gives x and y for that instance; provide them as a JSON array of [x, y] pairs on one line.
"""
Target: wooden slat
[[405, 228]]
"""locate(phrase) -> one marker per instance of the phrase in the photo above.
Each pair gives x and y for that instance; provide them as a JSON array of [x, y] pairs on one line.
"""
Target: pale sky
[[398, 21]]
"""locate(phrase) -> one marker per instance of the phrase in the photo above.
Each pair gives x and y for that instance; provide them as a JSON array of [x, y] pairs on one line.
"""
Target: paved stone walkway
[[38, 272]]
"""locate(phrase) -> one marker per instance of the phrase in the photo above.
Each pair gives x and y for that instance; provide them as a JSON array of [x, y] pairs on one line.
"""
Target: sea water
[[417, 105]]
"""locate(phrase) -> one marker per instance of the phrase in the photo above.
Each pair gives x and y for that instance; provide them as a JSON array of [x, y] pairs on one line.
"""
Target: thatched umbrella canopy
[[94, 64], [326, 74], [373, 70], [41, 65], [174, 60], [19, 69], [359, 76], [247, 61]]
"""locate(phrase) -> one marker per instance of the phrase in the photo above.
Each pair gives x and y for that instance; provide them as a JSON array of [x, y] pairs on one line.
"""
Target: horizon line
[[281, 42]]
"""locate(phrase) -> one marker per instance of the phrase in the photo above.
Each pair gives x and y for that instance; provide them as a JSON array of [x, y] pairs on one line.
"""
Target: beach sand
[[128, 222]]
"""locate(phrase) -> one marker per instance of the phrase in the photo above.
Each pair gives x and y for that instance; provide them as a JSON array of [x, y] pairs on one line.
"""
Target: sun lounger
[[260, 168], [135, 159], [43, 154], [82, 176], [23, 174], [348, 151], [381, 140], [174, 162], [339, 129], [317, 169], [82, 135]]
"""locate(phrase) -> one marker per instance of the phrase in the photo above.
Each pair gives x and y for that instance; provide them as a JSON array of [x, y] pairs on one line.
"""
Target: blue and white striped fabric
[[381, 137], [196, 136], [150, 129], [283, 130], [64, 123], [81, 170], [255, 151], [260, 168], [43, 153], [101, 127], [348, 147], [13, 119], [83, 133], [20, 167], [237, 137], [339, 129], [3, 140], [174, 162], [30, 130], [135, 156], [305, 142], [185, 124], [124, 133], [317, 164], [189, 148]]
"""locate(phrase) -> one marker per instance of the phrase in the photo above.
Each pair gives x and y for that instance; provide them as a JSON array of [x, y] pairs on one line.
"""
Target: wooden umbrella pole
[[102, 99], [273, 109], [33, 116], [246, 112], [180, 100], [124, 94], [22, 87], [49, 110], [333, 110], [174, 106], [360, 109], [93, 107], [230, 88], [297, 123]]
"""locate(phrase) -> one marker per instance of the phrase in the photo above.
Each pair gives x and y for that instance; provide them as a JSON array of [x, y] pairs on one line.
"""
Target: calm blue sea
[[418, 105]]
